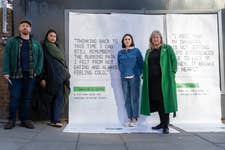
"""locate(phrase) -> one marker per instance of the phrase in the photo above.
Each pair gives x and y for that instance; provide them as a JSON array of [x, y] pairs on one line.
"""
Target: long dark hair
[[132, 40], [52, 31]]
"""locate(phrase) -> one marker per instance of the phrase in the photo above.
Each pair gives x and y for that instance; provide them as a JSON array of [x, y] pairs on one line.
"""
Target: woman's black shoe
[[165, 131], [159, 126]]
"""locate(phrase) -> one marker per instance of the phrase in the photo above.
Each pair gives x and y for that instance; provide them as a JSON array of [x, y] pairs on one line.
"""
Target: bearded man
[[22, 62]]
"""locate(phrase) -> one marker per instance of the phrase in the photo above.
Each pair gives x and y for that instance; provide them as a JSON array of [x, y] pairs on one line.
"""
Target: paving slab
[[40, 145], [171, 146], [8, 143], [169, 142], [153, 137], [217, 138], [44, 137], [101, 147], [18, 133], [52, 134], [100, 139], [221, 145]]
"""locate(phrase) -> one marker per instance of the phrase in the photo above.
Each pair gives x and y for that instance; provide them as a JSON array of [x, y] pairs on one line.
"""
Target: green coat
[[10, 56], [168, 64]]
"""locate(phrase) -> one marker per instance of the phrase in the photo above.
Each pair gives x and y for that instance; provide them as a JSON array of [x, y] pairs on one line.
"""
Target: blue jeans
[[57, 105], [21, 94], [131, 92]]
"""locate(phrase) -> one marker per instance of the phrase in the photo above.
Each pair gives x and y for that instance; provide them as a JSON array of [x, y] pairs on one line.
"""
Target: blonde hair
[[150, 39]]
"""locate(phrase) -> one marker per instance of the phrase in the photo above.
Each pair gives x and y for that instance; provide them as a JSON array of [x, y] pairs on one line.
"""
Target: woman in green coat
[[159, 87]]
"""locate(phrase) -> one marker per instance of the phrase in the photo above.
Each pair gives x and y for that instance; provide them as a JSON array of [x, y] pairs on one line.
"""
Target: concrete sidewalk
[[44, 137]]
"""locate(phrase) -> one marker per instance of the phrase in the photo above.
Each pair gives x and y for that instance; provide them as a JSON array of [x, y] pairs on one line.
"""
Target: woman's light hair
[[150, 39]]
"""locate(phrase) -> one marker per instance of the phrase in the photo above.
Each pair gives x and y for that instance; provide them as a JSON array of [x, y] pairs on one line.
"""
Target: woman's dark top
[[155, 76], [52, 73]]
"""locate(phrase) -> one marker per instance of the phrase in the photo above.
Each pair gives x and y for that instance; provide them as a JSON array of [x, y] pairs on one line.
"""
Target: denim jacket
[[130, 62]]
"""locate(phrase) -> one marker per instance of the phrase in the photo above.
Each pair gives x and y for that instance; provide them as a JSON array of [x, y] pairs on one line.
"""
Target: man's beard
[[25, 32]]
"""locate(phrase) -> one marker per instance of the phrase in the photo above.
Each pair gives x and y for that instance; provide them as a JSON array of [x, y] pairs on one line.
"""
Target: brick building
[[4, 93]]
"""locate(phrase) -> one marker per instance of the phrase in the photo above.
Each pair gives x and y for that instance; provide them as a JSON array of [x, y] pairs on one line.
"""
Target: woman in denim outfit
[[130, 62]]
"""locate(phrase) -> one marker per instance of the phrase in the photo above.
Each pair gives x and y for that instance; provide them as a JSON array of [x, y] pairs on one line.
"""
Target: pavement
[[44, 137]]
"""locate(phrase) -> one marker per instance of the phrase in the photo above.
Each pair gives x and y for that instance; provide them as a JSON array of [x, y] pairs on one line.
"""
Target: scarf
[[55, 51]]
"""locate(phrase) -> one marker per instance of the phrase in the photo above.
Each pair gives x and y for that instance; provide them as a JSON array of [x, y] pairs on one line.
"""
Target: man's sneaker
[[27, 124], [9, 125]]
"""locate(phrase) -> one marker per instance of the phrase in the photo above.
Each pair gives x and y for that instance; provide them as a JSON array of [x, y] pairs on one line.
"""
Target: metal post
[[222, 62], [4, 16]]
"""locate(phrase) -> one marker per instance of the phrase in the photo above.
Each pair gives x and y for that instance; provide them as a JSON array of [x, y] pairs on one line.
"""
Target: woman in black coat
[[54, 77]]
